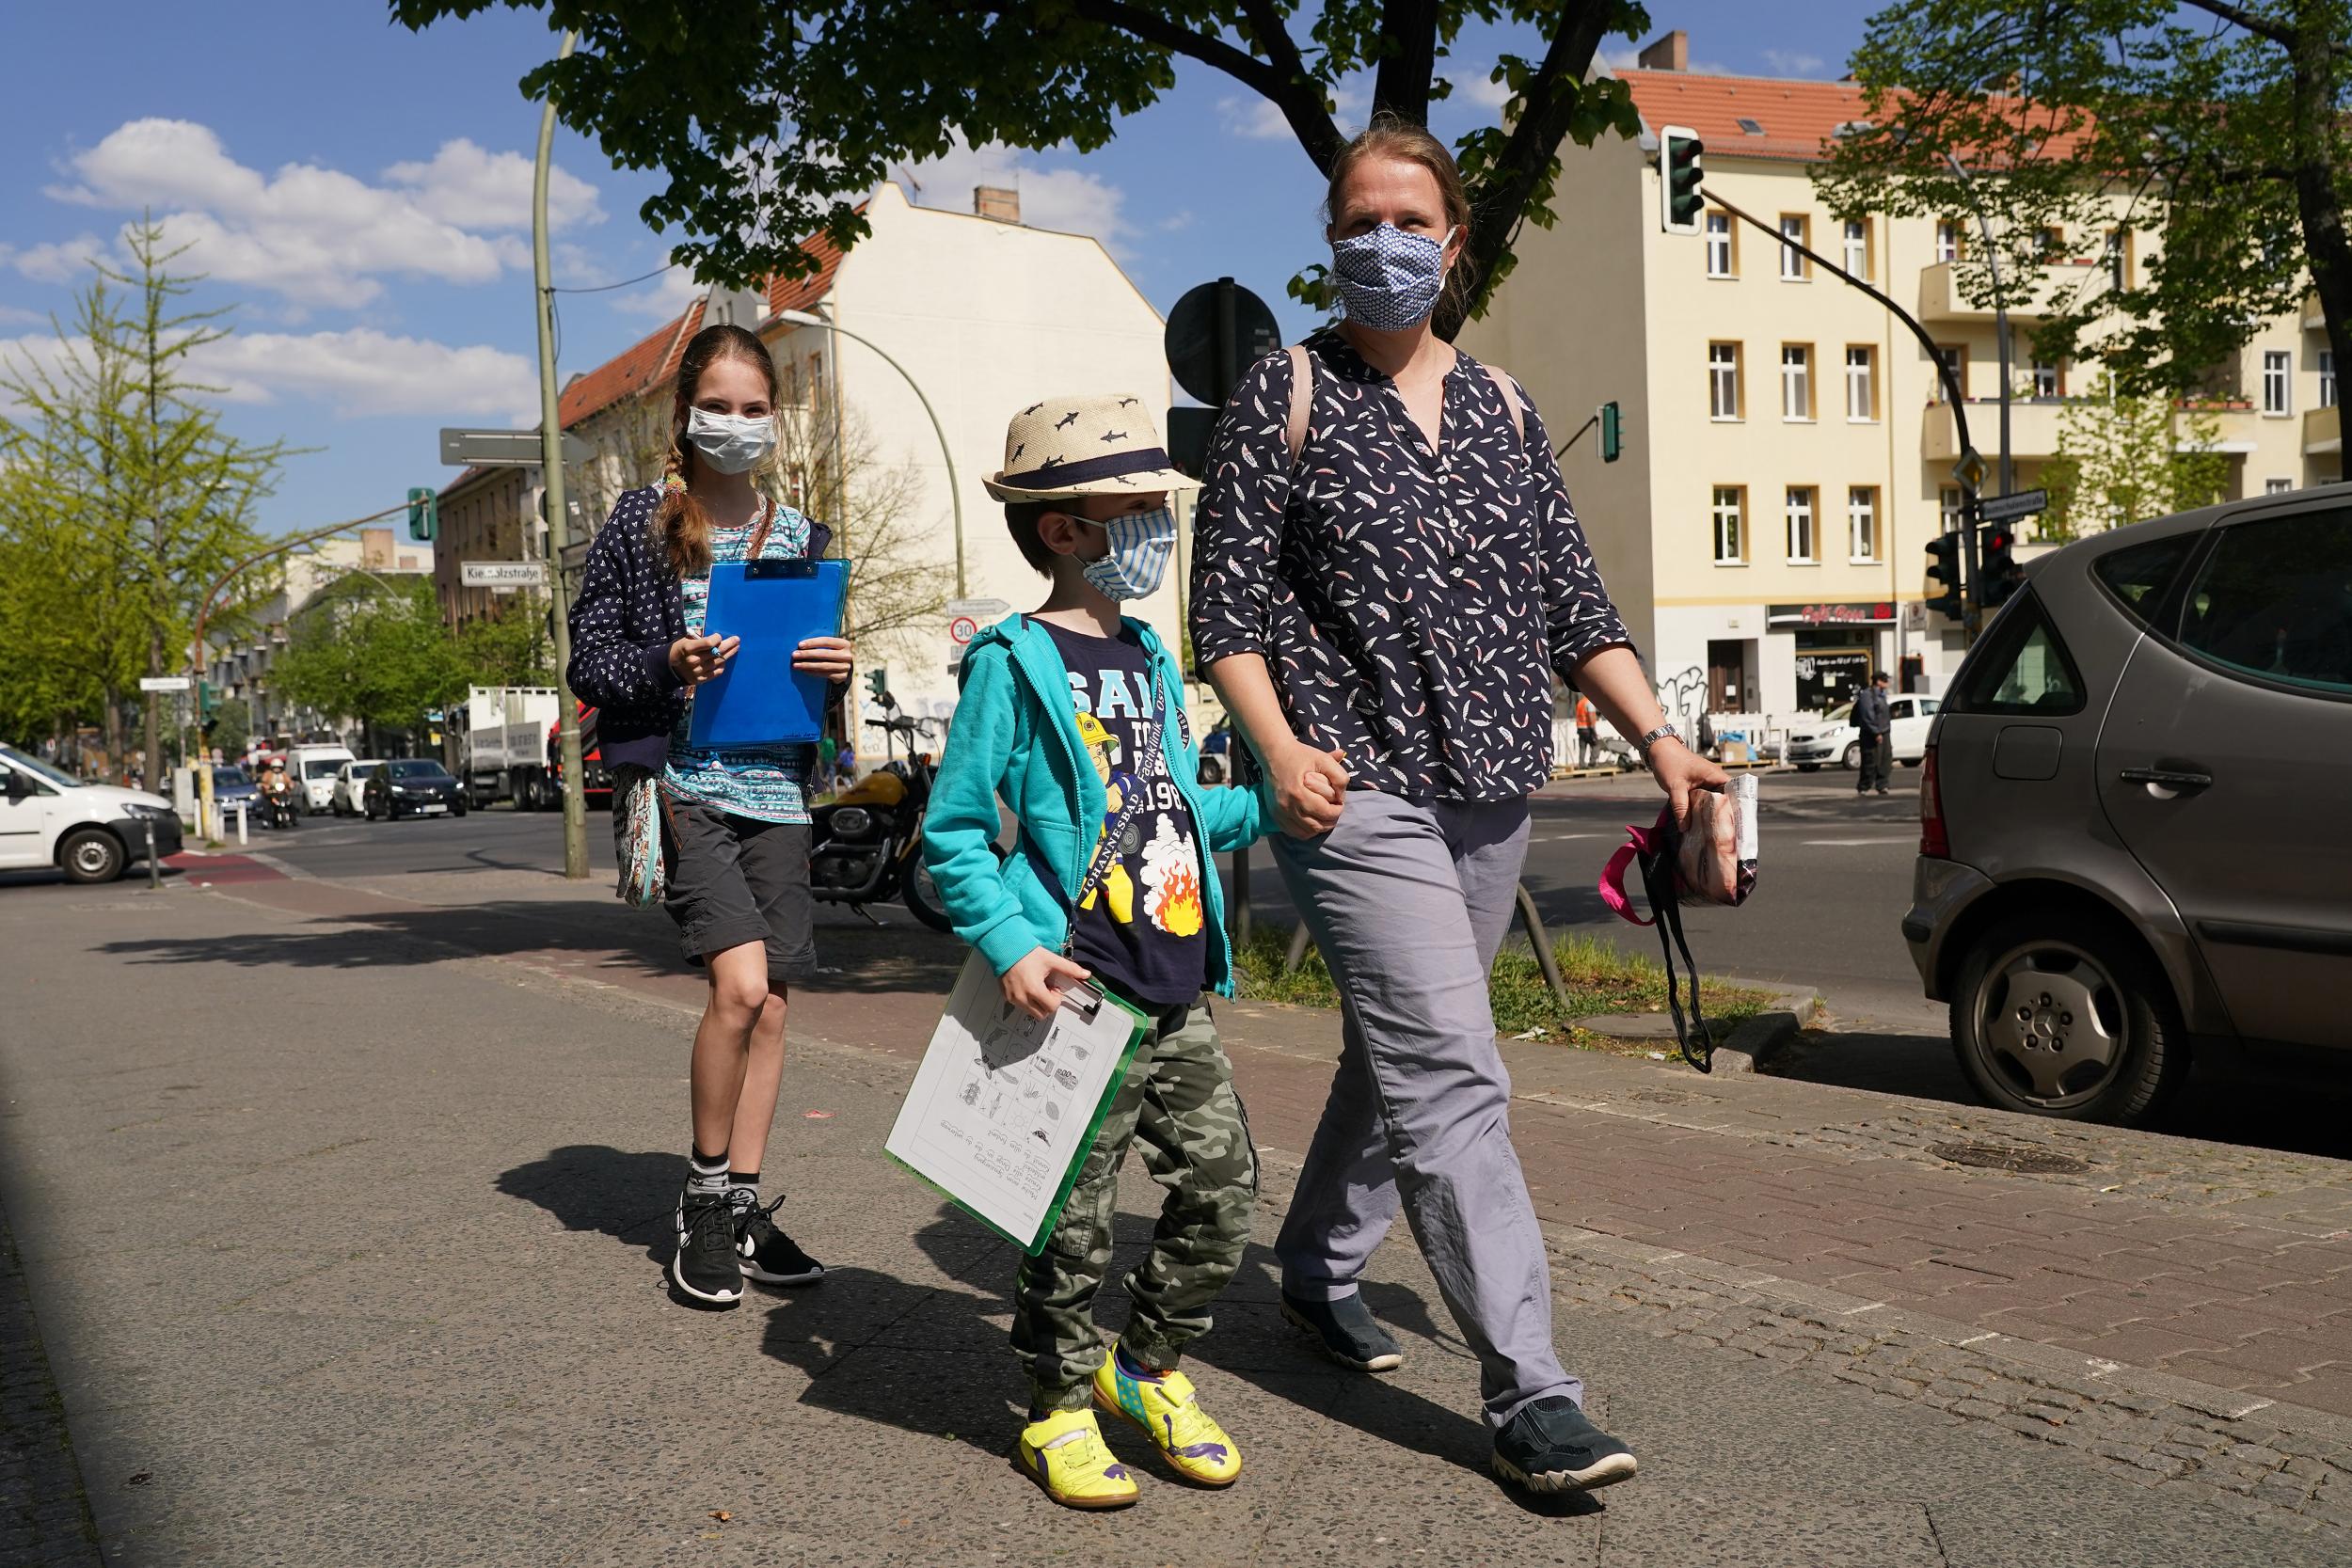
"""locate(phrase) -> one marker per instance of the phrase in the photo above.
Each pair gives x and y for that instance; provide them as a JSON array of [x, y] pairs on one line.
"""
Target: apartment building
[[984, 315], [1788, 446], [239, 667], [488, 514]]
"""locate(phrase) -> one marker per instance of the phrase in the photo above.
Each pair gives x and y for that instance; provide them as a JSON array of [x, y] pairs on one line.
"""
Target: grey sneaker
[[1551, 1446], [1344, 1331]]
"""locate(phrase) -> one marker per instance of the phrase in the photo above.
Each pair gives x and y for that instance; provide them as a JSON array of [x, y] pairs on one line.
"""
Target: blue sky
[[359, 193]]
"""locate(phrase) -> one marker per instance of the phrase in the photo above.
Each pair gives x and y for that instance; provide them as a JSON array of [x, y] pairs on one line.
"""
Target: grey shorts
[[733, 879]]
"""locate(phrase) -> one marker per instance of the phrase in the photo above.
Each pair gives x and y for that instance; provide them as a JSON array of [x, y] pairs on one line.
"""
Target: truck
[[503, 753]]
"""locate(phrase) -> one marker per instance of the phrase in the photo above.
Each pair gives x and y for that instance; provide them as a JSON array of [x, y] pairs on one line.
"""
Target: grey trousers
[[1407, 901]]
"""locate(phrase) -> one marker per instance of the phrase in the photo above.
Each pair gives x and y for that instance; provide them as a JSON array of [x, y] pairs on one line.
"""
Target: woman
[[1382, 613], [736, 827]]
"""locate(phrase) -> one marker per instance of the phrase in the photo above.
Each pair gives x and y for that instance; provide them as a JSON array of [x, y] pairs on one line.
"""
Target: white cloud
[[66, 262], [1790, 62], [658, 298], [366, 372], [1255, 119], [469, 188], [1069, 200], [318, 235], [1473, 87], [16, 315]]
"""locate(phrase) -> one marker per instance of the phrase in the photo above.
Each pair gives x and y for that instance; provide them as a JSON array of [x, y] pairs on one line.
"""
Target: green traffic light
[[424, 513], [1611, 433]]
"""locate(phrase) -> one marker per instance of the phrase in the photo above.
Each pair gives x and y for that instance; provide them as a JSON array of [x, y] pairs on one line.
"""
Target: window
[[2118, 260], [1862, 393], [1948, 505], [1722, 381], [2277, 366], [1792, 267], [816, 378], [2278, 487], [2137, 574], [2271, 601], [1731, 546], [1857, 236], [1800, 549], [1956, 355], [1796, 381], [2022, 668], [1861, 523], [2050, 244], [1719, 261], [1950, 244], [2047, 383], [2326, 378]]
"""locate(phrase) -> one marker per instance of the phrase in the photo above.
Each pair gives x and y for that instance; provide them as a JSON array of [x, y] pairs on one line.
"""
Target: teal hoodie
[[1015, 734]]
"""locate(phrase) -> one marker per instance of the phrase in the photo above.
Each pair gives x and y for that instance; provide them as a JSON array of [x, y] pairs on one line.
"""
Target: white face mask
[[730, 443]]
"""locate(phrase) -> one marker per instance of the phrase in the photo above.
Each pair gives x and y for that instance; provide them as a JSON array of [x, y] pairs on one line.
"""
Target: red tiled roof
[[653, 359], [1799, 119]]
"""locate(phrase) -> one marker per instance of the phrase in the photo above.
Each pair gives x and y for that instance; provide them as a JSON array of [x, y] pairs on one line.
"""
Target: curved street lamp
[[955, 495]]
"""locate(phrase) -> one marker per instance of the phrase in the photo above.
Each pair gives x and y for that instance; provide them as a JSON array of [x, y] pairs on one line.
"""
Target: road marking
[[1561, 838], [1845, 843]]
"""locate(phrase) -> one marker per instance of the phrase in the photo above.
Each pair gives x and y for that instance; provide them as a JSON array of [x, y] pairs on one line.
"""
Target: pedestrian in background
[[734, 824], [1385, 584], [1587, 732], [1875, 721]]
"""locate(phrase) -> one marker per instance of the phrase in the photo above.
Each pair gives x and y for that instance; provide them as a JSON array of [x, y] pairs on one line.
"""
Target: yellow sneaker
[[1066, 1455], [1166, 1408]]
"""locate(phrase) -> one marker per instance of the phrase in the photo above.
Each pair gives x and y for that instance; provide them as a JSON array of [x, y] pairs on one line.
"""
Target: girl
[[1386, 578], [735, 826]]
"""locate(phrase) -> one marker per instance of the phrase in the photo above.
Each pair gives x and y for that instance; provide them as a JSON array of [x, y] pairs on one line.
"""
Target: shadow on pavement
[[594, 1187], [857, 957]]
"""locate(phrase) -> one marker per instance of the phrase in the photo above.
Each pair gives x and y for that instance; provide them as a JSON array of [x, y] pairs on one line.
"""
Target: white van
[[91, 832], [313, 768]]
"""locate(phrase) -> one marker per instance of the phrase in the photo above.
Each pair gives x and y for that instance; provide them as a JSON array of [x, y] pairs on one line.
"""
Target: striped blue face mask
[[1137, 562]]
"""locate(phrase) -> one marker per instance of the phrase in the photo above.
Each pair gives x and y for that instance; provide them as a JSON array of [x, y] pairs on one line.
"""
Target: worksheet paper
[[1005, 1106]]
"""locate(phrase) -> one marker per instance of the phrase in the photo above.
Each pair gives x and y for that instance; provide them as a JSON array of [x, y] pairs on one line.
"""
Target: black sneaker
[[704, 1266], [763, 1251], [1344, 1330], [1550, 1446]]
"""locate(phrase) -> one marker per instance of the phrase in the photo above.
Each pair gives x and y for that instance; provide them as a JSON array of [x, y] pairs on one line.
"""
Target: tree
[[2121, 459], [141, 499], [2221, 125], [773, 121], [829, 465], [509, 649], [233, 727], [374, 649]]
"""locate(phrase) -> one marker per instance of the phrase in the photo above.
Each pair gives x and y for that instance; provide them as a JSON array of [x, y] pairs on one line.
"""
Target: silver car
[[2137, 810]]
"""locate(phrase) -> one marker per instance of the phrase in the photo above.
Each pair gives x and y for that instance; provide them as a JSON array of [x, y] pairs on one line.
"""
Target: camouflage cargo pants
[[1178, 1104]]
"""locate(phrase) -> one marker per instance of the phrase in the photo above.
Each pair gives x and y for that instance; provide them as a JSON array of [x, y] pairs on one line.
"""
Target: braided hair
[[680, 527]]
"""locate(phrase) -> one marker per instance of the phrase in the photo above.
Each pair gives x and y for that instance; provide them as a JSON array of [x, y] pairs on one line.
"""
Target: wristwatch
[[1663, 732]]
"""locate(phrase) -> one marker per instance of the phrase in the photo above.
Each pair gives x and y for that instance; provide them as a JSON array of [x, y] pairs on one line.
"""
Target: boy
[[1075, 714]]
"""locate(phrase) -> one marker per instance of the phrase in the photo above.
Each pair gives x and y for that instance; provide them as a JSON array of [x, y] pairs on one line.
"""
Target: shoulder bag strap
[[1302, 399], [1510, 400]]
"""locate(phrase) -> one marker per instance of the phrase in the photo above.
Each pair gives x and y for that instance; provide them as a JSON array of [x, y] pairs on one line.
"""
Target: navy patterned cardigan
[[627, 613]]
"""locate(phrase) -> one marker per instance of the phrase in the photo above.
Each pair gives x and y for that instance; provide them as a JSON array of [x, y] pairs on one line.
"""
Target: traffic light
[[1998, 576], [1943, 584], [424, 513], [877, 682], [1611, 433], [1679, 176]]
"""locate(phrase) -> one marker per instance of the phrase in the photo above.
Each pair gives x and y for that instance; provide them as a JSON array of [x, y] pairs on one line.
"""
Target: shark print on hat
[[1412, 605]]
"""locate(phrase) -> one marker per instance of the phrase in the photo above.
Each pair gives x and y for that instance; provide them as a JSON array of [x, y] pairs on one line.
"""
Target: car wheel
[[2060, 1016], [1911, 762], [1852, 761], [93, 855], [1808, 767], [457, 808]]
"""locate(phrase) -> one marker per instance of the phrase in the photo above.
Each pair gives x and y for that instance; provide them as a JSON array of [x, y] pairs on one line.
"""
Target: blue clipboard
[[771, 605]]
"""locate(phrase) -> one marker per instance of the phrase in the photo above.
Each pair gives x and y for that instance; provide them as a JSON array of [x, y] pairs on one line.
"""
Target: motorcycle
[[867, 845]]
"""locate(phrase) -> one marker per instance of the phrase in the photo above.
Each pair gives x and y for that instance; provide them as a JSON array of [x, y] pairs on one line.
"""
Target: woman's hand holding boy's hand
[[1030, 985], [1310, 787], [828, 656]]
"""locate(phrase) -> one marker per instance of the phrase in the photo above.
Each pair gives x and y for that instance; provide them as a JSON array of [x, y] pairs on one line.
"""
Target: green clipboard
[[1005, 1109]]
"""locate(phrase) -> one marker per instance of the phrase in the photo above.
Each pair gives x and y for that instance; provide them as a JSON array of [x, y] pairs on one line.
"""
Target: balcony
[[1944, 292], [2323, 433], [2314, 318], [2033, 428]]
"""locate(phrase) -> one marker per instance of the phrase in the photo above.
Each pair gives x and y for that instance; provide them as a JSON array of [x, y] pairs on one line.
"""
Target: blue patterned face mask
[[1142, 544], [1389, 281]]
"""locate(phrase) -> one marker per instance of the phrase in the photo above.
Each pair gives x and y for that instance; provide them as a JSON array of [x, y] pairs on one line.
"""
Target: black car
[[413, 786]]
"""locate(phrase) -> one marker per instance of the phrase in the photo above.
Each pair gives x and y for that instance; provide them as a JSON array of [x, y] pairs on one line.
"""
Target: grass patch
[[1601, 979]]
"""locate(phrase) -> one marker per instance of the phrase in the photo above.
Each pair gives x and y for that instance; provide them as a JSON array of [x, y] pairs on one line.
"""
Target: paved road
[[390, 1292]]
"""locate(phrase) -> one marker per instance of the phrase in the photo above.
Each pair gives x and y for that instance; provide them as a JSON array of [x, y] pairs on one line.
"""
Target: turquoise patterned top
[[762, 783]]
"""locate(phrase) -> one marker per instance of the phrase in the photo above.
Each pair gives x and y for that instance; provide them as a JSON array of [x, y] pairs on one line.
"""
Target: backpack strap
[[1510, 400], [1302, 400]]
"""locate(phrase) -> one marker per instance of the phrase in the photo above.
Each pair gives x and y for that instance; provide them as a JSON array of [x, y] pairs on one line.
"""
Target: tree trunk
[[2318, 203], [114, 735], [155, 710]]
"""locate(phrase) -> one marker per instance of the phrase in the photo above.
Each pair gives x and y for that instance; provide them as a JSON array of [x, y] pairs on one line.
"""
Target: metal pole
[[2000, 315], [1226, 346], [559, 524], [154, 872]]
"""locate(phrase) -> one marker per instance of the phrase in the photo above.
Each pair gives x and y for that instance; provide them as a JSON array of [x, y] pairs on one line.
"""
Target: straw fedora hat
[[1102, 445]]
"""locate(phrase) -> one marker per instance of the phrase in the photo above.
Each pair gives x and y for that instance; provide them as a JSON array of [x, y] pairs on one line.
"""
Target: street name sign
[[502, 574], [162, 683], [2008, 509], [503, 449]]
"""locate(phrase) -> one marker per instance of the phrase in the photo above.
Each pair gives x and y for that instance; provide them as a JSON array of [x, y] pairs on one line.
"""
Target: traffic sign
[[2008, 509], [162, 683], [504, 449], [502, 574], [980, 613], [1214, 333], [573, 556], [962, 630], [1970, 471]]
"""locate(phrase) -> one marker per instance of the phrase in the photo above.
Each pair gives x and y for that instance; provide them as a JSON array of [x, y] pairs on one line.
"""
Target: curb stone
[[44, 1513]]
